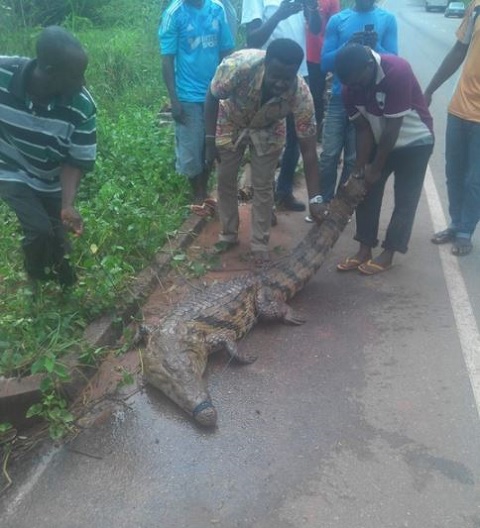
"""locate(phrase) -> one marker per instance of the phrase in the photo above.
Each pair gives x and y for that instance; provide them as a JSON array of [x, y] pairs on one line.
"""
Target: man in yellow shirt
[[462, 151]]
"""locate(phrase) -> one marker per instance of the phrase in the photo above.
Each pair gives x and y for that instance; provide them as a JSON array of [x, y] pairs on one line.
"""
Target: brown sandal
[[349, 264]]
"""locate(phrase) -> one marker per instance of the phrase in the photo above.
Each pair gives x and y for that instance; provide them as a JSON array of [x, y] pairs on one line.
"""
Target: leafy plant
[[126, 379], [54, 410]]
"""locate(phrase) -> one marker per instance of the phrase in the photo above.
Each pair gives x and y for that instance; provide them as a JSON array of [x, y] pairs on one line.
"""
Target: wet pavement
[[361, 417]]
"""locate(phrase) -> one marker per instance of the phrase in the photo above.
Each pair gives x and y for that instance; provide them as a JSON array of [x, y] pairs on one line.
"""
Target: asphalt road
[[364, 417]]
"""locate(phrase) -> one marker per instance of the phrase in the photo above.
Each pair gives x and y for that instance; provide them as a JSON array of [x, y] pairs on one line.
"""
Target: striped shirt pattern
[[36, 140]]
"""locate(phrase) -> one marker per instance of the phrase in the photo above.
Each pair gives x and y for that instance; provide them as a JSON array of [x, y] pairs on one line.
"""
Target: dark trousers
[[316, 79], [44, 242], [290, 157], [408, 165], [289, 162]]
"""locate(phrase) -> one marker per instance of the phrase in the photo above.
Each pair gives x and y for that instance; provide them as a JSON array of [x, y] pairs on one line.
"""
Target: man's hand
[[428, 98], [365, 38], [178, 113], [370, 39], [310, 5], [357, 38], [72, 220], [372, 175], [319, 212], [211, 154], [287, 9]]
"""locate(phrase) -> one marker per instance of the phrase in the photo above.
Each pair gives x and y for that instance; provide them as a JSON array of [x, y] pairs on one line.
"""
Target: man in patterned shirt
[[250, 95], [462, 145], [47, 143]]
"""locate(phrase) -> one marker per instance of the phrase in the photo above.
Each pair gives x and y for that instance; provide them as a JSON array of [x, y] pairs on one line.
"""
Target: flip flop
[[349, 264], [372, 268], [207, 208]]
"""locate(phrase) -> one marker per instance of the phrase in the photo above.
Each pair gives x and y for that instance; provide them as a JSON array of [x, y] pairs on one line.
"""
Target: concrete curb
[[17, 395]]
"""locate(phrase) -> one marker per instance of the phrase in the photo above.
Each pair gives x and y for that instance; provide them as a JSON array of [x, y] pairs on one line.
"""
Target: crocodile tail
[[289, 275]]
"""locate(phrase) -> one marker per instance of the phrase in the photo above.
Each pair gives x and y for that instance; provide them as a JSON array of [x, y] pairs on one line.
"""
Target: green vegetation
[[130, 202]]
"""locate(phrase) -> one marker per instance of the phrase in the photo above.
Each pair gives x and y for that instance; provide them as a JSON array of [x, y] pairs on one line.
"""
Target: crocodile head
[[174, 363]]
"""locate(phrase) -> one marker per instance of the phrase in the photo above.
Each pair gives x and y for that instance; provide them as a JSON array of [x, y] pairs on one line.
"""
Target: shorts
[[190, 141]]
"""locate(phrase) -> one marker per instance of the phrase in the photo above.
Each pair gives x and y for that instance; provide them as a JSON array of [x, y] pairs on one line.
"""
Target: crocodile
[[177, 349]]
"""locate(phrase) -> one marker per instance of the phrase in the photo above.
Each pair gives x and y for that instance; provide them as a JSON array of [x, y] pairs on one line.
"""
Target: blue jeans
[[338, 135], [190, 141], [462, 155]]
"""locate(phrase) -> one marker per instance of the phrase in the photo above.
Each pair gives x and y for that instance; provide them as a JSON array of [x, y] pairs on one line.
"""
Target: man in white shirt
[[267, 20]]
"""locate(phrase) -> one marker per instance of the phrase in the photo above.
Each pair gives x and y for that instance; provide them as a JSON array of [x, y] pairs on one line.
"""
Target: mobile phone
[[368, 28]]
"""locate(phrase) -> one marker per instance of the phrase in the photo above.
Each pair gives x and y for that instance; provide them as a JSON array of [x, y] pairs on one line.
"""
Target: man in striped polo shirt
[[47, 143]]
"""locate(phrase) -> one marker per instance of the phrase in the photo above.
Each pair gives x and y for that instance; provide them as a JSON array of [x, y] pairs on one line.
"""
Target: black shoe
[[66, 275], [290, 203], [444, 237]]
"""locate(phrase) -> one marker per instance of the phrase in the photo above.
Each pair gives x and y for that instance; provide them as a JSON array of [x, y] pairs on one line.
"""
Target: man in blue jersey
[[364, 24], [47, 143], [194, 37]]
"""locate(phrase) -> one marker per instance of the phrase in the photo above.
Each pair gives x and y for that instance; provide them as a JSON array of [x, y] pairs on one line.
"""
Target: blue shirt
[[196, 37], [341, 28]]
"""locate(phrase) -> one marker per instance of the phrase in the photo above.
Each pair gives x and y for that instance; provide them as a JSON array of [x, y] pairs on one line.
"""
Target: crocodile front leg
[[226, 340], [272, 307]]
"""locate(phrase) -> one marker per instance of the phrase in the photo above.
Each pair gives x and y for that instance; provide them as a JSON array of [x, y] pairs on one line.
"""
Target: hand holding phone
[[288, 8], [370, 36]]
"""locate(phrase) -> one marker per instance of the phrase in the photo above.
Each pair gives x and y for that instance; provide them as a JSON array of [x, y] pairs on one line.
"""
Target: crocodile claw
[[292, 318]]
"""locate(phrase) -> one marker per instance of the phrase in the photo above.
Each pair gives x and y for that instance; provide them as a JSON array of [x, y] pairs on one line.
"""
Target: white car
[[455, 9], [436, 5]]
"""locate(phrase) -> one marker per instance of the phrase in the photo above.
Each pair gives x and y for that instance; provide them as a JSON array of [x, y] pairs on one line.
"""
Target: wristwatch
[[318, 199]]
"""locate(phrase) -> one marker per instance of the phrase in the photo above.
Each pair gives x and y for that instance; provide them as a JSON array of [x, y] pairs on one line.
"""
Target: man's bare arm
[[168, 72], [258, 33], [449, 66]]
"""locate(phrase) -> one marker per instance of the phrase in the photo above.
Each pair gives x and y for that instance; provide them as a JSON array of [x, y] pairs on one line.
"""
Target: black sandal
[[443, 237]]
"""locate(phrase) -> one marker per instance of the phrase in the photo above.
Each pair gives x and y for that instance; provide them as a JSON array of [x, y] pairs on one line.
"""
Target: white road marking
[[462, 309], [30, 482]]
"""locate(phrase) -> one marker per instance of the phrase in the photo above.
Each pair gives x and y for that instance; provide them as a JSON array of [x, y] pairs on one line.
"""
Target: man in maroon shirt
[[394, 135]]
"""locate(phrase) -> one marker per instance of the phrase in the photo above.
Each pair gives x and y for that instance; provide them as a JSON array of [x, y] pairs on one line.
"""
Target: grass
[[123, 202], [130, 203]]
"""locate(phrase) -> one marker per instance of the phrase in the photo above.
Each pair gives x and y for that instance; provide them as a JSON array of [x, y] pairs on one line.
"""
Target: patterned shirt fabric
[[36, 140], [326, 8], [294, 27], [465, 102], [196, 37], [238, 85], [343, 25], [396, 93]]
